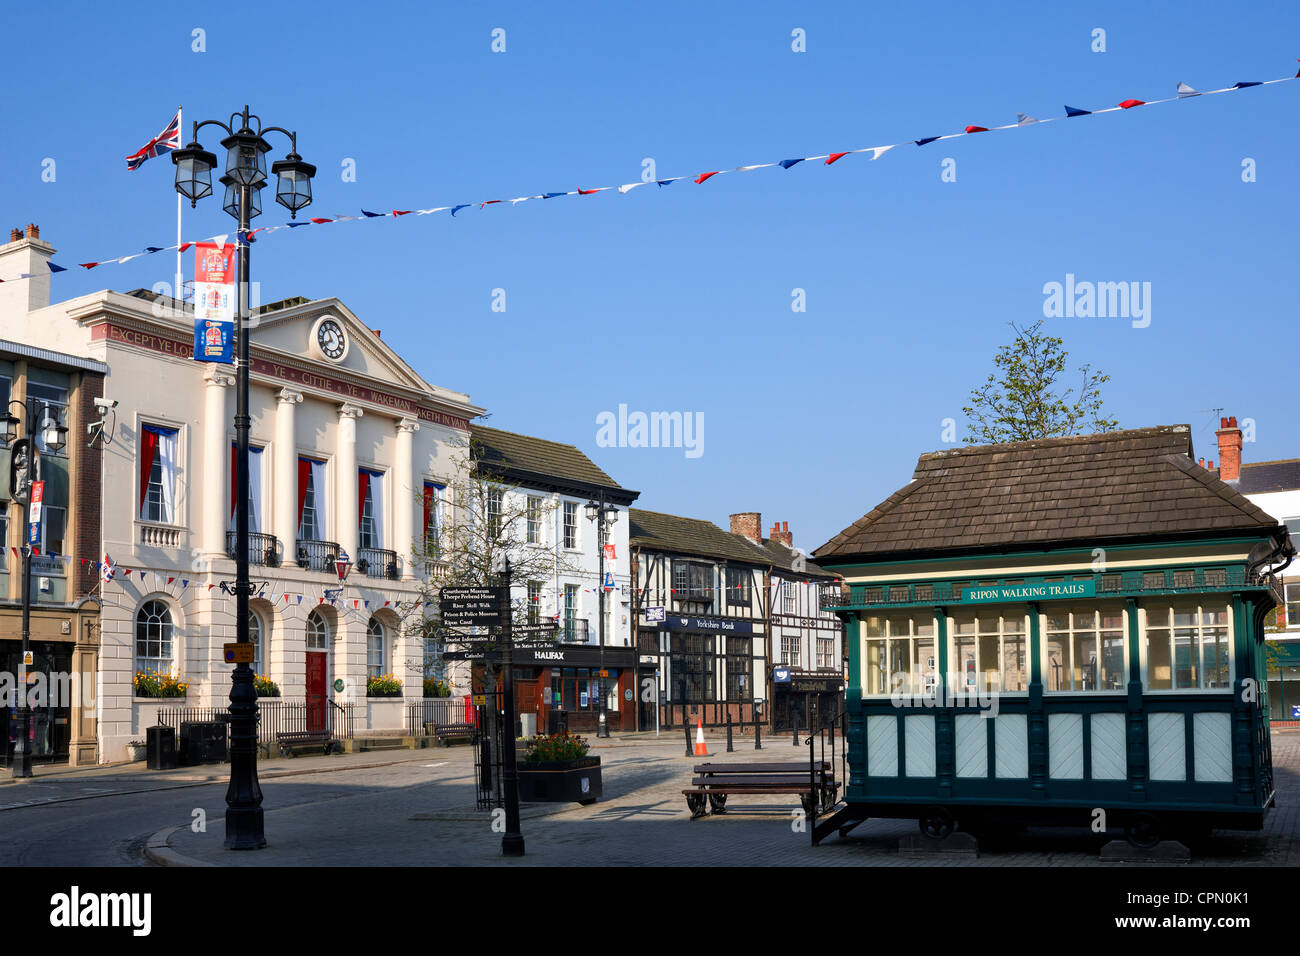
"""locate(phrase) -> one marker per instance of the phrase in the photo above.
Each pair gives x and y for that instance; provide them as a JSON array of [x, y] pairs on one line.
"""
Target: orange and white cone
[[700, 749]]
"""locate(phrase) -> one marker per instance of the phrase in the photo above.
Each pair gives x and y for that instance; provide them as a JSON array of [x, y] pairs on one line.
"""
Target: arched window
[[255, 637], [153, 638], [375, 650], [318, 632]]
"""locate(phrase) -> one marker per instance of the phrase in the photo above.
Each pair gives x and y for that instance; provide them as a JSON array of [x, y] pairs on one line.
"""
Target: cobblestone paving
[[421, 812]]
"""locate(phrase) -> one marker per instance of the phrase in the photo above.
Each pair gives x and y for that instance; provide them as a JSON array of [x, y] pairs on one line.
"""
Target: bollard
[[758, 732], [794, 730], [690, 751], [730, 749]]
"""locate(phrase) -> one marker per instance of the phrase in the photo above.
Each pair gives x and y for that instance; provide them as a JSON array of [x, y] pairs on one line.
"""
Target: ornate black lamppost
[[53, 437], [603, 515], [246, 150]]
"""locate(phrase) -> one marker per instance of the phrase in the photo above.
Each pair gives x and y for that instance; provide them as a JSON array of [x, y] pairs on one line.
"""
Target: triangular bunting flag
[[977, 129], [1024, 119], [927, 139], [834, 156], [1129, 104], [705, 177], [1073, 111], [787, 163], [1184, 90]]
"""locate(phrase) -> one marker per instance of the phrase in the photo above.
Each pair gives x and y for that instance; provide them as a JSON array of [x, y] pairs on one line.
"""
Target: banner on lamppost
[[214, 302], [34, 527]]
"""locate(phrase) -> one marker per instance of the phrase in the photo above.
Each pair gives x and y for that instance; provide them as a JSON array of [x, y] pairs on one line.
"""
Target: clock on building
[[329, 339]]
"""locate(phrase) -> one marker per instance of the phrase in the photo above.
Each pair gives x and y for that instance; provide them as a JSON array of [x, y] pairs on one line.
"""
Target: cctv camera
[[106, 403]]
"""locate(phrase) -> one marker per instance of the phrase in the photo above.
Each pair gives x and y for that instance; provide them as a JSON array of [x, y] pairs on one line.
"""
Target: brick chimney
[[1229, 436], [25, 254], [781, 532], [748, 524]]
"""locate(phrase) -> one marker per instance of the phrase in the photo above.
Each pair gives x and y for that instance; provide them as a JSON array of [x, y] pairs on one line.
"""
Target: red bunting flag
[[834, 156], [1129, 104], [488, 203], [401, 212], [170, 580], [977, 129], [318, 221], [586, 192], [703, 176]]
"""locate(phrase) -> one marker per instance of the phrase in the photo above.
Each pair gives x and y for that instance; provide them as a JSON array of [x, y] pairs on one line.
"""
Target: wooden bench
[[289, 742], [714, 782], [445, 733]]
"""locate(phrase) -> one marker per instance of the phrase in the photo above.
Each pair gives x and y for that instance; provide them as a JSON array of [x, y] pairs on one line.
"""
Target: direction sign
[[525, 629], [472, 607]]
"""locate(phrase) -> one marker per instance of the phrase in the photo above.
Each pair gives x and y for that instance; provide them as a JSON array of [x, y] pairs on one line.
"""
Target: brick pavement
[[421, 813]]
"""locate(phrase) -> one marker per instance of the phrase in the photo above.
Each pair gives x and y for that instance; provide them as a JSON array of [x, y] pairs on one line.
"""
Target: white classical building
[[350, 449]]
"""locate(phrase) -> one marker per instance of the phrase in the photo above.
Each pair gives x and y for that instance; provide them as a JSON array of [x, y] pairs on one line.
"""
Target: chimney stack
[[15, 235], [781, 532], [1229, 436], [748, 524], [33, 231], [25, 254]]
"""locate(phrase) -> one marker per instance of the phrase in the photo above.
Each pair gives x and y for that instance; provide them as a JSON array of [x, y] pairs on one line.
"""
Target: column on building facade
[[215, 416], [404, 488], [346, 518], [284, 504]]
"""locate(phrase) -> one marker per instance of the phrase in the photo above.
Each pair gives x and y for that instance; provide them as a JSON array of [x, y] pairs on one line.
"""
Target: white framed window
[[825, 653], [311, 500], [534, 519], [494, 513], [370, 519], [376, 649], [1187, 646], [254, 487], [255, 635], [791, 649], [318, 632], [1292, 602], [789, 598], [899, 655], [153, 638], [46, 401], [570, 524], [434, 505], [534, 602], [1084, 650], [158, 474], [988, 653]]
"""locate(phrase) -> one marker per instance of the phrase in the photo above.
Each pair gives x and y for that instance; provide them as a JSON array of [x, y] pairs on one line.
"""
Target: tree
[[486, 520], [1019, 402]]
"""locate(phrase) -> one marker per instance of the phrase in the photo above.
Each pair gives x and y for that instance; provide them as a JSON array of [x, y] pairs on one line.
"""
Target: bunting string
[[1183, 92]]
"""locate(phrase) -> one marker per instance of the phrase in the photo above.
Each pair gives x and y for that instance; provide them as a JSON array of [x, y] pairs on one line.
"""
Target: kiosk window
[[1084, 650], [1187, 647], [988, 654], [899, 655]]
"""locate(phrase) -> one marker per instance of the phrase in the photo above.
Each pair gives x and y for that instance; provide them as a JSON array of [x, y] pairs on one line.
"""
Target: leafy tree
[[1021, 401]]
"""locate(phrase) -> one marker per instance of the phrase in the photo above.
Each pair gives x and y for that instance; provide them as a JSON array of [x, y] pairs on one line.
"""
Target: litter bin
[[160, 747], [528, 725]]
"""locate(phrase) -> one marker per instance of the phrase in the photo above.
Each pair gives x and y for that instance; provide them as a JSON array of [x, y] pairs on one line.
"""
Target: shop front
[[559, 684], [710, 669], [804, 700]]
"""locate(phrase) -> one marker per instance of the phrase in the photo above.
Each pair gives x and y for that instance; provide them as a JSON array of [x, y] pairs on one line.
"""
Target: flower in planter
[[153, 684], [555, 747], [265, 686], [437, 687], [383, 685]]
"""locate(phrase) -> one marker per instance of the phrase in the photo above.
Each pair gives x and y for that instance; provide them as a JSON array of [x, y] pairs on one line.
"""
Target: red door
[[316, 688]]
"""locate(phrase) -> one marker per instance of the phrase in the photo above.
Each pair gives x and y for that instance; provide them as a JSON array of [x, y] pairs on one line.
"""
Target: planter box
[[560, 781]]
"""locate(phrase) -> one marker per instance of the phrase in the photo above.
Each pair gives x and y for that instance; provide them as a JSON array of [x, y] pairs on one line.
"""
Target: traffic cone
[[700, 749]]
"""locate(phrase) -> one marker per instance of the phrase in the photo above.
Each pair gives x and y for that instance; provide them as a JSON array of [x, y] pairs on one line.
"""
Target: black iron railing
[[274, 716], [434, 710], [574, 632], [377, 563], [317, 555], [263, 549]]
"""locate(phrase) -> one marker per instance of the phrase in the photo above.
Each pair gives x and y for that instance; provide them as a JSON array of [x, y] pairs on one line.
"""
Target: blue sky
[[680, 298]]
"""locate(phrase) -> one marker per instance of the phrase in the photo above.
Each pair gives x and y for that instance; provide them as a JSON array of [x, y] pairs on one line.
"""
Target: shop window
[[153, 638], [1084, 651], [899, 655], [1187, 647], [739, 669], [988, 653], [158, 474], [692, 668]]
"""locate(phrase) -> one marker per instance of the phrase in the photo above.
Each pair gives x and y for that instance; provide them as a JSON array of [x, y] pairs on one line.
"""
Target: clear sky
[[679, 298]]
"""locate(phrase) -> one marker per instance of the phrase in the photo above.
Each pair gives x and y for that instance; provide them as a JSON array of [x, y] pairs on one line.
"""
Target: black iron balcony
[[317, 555], [263, 549], [833, 595], [377, 563], [574, 631]]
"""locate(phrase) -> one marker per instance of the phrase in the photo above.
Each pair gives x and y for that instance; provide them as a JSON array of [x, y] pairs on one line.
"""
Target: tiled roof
[[1122, 484], [507, 451], [1262, 477], [660, 532]]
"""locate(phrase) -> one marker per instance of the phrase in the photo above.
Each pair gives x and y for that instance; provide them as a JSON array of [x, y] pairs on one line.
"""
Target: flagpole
[[180, 279]]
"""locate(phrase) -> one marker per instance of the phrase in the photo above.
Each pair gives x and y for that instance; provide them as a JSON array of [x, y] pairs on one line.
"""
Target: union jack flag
[[170, 138]]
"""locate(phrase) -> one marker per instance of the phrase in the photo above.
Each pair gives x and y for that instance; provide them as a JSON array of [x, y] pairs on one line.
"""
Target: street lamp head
[[293, 191], [342, 564], [246, 157], [194, 167], [592, 509], [53, 435], [8, 430], [231, 203]]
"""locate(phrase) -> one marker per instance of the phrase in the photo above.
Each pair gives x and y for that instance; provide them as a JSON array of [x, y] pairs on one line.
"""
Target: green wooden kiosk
[[1056, 632]]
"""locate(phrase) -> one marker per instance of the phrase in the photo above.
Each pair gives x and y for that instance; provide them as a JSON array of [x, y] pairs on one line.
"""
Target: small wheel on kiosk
[[936, 822], [1142, 830]]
